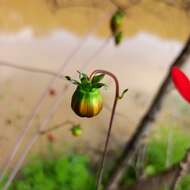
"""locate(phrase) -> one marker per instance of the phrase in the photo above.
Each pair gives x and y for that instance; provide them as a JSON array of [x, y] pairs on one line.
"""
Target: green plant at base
[[70, 172], [87, 102]]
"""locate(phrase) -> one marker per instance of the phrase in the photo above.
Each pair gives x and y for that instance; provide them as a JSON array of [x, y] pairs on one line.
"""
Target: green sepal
[[87, 83], [97, 78], [98, 85], [75, 82], [68, 78], [122, 94], [83, 76]]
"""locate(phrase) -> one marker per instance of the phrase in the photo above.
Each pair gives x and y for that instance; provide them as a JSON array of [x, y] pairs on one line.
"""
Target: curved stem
[[101, 169]]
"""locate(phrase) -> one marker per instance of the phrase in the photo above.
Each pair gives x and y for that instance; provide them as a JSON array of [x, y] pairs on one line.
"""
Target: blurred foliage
[[73, 172], [184, 183], [70, 172], [156, 155], [157, 148]]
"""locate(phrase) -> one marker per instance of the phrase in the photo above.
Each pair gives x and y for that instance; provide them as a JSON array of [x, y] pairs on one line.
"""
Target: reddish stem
[[102, 164]]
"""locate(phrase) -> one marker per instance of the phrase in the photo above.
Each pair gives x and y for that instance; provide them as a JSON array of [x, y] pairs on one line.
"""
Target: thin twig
[[59, 5], [31, 69], [122, 7], [144, 124], [55, 127]]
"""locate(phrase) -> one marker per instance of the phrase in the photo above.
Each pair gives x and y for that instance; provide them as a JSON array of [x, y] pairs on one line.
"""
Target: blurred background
[[37, 37]]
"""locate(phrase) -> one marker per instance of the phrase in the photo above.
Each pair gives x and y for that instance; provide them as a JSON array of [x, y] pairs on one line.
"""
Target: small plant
[[76, 130], [88, 102]]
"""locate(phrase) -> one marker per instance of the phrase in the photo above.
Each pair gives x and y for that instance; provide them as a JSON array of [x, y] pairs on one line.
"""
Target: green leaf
[[75, 82], [122, 95], [82, 75], [98, 85], [68, 78], [84, 80], [97, 78]]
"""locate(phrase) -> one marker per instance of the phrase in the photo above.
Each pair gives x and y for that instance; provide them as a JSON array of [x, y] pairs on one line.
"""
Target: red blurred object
[[51, 137], [52, 92], [181, 82]]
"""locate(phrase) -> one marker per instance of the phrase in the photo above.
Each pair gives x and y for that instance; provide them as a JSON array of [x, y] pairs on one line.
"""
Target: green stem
[[102, 164]]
